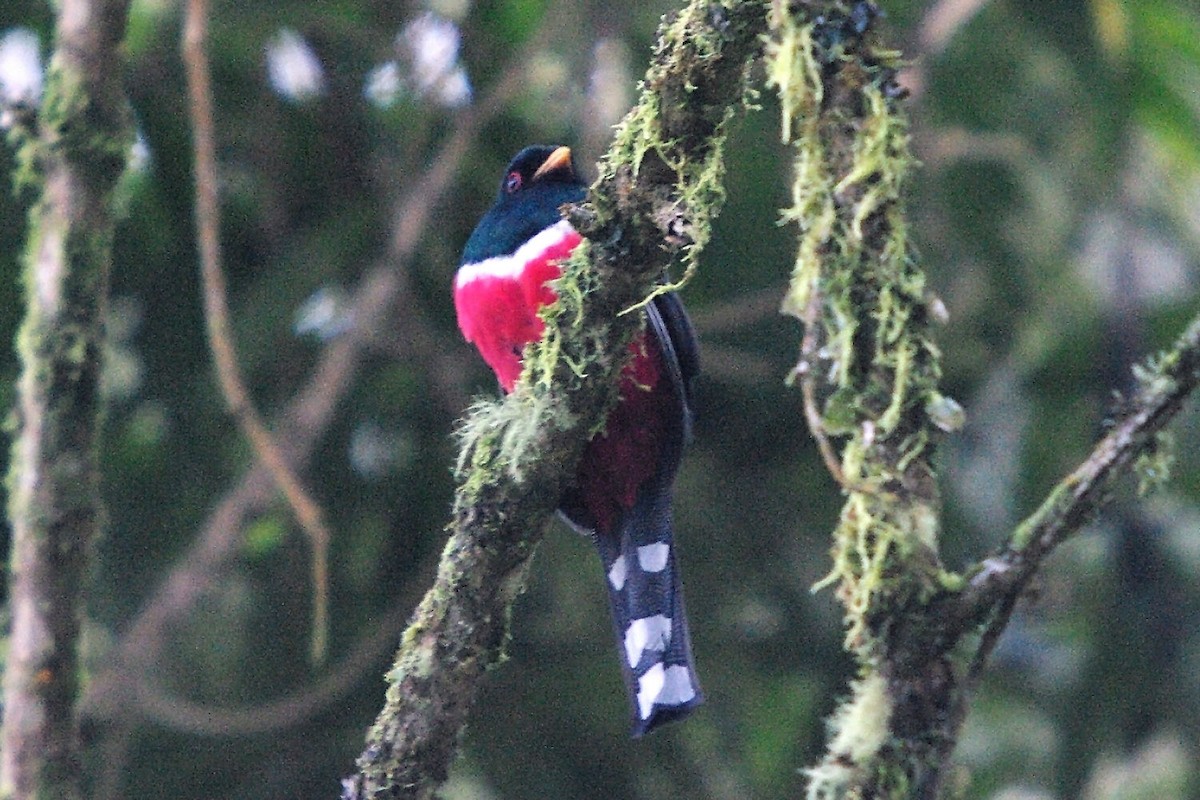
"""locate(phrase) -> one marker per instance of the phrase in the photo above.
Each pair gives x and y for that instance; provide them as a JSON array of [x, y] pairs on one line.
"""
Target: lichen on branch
[[869, 373], [856, 282], [73, 150]]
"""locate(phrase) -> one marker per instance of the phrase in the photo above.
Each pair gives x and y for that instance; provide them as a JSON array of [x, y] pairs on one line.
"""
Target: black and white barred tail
[[649, 620], [642, 577]]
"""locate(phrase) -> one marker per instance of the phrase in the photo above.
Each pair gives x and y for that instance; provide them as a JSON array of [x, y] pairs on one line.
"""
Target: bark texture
[[75, 151], [869, 371]]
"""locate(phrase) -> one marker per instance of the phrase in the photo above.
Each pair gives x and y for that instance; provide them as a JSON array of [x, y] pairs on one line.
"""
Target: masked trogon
[[621, 496]]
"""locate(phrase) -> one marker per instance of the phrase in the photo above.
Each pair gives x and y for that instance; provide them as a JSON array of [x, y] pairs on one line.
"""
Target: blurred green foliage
[[1057, 212]]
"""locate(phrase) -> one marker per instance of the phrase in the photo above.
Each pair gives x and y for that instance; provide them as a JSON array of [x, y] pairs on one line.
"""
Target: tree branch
[[651, 207], [859, 290], [79, 151], [870, 376], [1164, 383], [207, 719], [384, 288], [220, 331]]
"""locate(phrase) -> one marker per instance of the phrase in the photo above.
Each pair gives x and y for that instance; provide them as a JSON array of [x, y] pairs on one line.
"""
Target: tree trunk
[[77, 147]]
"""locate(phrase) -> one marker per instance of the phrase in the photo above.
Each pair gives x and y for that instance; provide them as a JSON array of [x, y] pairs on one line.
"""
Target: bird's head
[[536, 184]]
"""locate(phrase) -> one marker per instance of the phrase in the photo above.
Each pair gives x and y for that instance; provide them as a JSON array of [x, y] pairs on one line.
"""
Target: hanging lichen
[[869, 368]]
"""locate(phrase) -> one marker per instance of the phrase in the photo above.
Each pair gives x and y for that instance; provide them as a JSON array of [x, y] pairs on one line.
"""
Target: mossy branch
[[74, 149], [869, 372], [219, 326], [648, 211], [1136, 442]]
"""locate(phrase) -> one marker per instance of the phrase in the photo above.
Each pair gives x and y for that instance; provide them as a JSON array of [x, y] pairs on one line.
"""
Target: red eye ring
[[512, 182]]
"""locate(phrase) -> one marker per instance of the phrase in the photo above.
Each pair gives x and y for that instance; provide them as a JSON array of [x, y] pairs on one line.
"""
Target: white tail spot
[[677, 688], [650, 687], [669, 687], [616, 573], [647, 633], [653, 557]]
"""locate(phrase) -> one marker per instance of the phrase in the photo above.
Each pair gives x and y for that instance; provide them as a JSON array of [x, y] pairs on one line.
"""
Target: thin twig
[[203, 719], [382, 299], [806, 370], [944, 20], [941, 23], [220, 331], [997, 587], [114, 752], [988, 641]]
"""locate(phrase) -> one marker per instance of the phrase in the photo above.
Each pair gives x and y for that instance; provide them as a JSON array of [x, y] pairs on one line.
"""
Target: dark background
[[1057, 215]]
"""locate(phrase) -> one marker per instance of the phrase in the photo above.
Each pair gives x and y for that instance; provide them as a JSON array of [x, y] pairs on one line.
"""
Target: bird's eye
[[512, 182]]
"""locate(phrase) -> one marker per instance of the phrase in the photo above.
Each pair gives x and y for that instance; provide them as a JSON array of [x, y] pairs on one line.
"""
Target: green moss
[[857, 285], [74, 151], [662, 181], [22, 137], [94, 133], [1154, 465], [650, 210]]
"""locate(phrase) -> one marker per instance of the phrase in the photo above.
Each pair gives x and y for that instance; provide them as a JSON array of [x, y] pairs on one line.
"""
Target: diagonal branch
[[1163, 386], [858, 287], [651, 208], [114, 691], [207, 719]]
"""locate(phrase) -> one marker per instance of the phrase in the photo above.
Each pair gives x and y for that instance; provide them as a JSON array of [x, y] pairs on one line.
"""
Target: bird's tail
[[649, 620]]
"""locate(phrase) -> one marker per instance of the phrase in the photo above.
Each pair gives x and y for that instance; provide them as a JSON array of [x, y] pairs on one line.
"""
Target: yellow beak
[[561, 157]]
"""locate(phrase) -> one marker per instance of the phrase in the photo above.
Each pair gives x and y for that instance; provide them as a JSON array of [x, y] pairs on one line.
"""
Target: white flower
[[431, 44], [139, 153], [454, 90], [383, 84], [428, 66], [20, 68], [376, 451], [325, 314], [293, 68]]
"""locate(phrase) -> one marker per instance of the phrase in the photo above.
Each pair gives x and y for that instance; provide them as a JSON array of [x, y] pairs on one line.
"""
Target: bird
[[621, 493]]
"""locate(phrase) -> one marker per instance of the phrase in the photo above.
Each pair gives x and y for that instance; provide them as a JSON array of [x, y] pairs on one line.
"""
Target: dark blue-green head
[[536, 184]]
